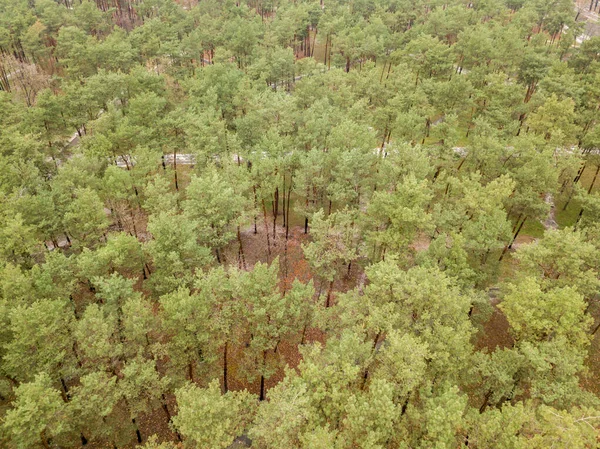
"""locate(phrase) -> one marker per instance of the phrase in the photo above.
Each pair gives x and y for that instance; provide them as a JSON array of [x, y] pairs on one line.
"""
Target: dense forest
[[299, 224]]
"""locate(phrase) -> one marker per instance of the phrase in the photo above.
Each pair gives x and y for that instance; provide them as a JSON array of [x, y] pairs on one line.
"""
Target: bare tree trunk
[[275, 213], [287, 223], [283, 208], [485, 401], [191, 372], [135, 233], [266, 231], [255, 207], [165, 407], [329, 290], [590, 190], [44, 441], [575, 181], [137, 431], [243, 258], [507, 247], [262, 379], [594, 180], [175, 168], [225, 368]]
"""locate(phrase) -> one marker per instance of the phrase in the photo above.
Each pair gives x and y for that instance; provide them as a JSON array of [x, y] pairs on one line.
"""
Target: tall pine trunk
[[275, 213], [507, 247], [262, 379], [137, 431], [329, 290], [175, 169], [266, 230], [287, 223], [225, 389], [242, 257]]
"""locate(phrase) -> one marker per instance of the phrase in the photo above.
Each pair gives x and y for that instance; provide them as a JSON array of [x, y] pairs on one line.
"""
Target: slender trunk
[[366, 373], [266, 231], [137, 431], [135, 233], [329, 290], [243, 258], [303, 334], [283, 208], [44, 441], [382, 72], [594, 180], [191, 371], [517, 233], [384, 137], [65, 390], [517, 223], [485, 401], [287, 223], [165, 407], [507, 247], [589, 190], [255, 207], [275, 213], [225, 368], [262, 379], [175, 168], [405, 405], [576, 180]]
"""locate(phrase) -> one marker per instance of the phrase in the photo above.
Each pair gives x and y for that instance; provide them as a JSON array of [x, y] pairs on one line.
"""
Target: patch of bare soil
[[421, 243], [254, 248], [495, 331], [521, 241], [293, 265]]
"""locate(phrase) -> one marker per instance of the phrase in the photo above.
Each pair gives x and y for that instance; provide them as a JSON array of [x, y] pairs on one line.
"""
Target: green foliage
[[215, 207], [157, 156], [37, 416], [41, 340], [208, 418]]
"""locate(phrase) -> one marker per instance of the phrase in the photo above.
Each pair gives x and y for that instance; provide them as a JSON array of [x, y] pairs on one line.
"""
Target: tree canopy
[[299, 224]]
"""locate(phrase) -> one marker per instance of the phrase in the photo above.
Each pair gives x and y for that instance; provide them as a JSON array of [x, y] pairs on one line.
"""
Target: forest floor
[[591, 18], [493, 332]]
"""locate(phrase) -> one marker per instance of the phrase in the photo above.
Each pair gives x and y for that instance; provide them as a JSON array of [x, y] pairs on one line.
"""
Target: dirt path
[[550, 221]]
